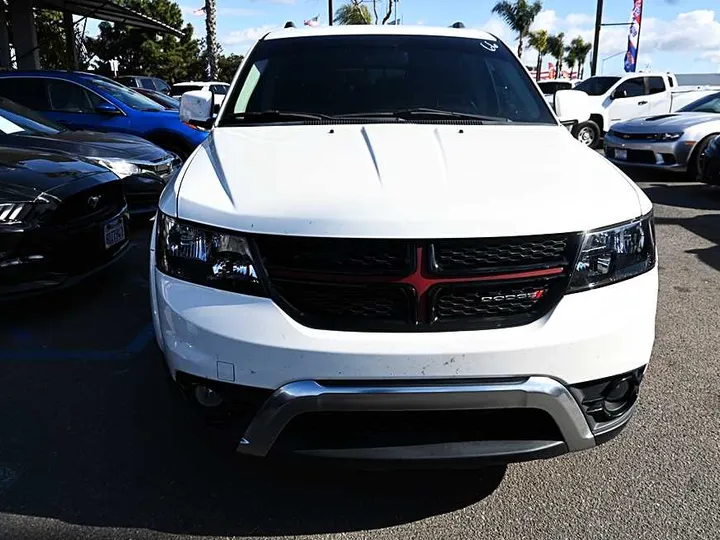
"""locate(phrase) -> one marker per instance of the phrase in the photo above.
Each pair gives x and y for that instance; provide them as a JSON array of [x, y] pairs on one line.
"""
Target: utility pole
[[596, 44], [330, 12]]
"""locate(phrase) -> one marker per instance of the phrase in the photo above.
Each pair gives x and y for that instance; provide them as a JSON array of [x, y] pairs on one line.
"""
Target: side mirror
[[106, 108], [196, 107], [572, 106]]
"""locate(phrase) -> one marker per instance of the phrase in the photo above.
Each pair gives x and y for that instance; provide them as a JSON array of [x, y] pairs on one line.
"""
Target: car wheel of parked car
[[588, 133], [696, 164]]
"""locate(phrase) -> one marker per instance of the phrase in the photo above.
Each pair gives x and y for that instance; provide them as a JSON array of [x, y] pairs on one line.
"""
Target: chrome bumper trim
[[301, 397]]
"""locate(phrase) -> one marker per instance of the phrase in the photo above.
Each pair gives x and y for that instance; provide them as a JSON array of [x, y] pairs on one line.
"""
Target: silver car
[[674, 141]]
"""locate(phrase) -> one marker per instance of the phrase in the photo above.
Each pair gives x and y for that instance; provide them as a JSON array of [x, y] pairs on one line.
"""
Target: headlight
[[615, 254], [669, 136], [120, 167], [201, 255], [14, 212]]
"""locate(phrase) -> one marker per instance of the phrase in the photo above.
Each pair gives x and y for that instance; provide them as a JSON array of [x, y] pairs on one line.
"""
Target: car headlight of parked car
[[206, 256], [669, 136], [14, 212], [121, 167], [614, 254]]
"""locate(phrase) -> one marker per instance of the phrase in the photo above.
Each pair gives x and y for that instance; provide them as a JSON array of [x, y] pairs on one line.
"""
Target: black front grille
[[456, 302], [471, 256], [93, 204], [641, 156], [635, 136], [404, 285], [332, 255]]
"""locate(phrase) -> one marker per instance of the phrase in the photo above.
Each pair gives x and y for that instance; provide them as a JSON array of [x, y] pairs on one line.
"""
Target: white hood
[[403, 181]]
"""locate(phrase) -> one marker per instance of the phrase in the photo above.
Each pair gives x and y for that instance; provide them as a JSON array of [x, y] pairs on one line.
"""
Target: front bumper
[[671, 156], [39, 263]]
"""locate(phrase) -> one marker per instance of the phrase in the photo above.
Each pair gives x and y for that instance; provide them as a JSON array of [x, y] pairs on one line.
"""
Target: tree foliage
[[354, 12], [519, 16], [556, 48], [539, 41]]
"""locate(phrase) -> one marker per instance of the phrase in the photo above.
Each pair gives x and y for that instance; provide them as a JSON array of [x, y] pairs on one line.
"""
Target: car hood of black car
[[43, 171], [95, 144]]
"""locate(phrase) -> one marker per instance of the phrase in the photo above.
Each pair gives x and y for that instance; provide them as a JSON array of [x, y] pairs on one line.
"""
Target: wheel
[[696, 163], [588, 133]]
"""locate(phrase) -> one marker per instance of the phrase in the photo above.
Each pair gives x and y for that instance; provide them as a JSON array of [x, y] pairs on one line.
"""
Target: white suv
[[377, 254]]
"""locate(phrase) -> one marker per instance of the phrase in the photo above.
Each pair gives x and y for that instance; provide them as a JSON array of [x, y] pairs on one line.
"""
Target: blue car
[[92, 102]]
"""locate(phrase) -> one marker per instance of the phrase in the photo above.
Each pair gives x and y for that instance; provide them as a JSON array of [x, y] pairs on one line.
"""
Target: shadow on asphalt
[[684, 195], [706, 226], [104, 440]]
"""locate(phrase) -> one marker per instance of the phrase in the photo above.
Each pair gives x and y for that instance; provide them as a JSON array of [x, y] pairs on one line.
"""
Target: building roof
[[373, 29], [107, 10]]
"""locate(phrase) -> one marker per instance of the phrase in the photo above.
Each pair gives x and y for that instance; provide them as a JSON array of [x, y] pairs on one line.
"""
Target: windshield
[[597, 86], [369, 75], [15, 118], [709, 104], [126, 95], [161, 98], [180, 89]]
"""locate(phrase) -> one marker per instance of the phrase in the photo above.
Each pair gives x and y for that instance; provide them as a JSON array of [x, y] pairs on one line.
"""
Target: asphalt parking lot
[[95, 444]]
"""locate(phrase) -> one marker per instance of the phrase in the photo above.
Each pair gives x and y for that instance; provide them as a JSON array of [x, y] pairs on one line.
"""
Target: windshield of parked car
[[709, 104], [597, 86], [371, 77], [15, 118], [126, 95]]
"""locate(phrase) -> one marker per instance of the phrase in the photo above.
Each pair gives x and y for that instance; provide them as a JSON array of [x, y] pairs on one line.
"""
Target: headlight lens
[[120, 167], [205, 256], [14, 212], [615, 254], [669, 136]]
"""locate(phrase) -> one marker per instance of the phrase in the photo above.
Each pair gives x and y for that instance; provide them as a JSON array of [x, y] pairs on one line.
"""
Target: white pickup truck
[[615, 99]]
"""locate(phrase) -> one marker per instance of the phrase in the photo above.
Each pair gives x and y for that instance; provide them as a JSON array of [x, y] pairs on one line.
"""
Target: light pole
[[330, 12], [602, 68], [596, 42]]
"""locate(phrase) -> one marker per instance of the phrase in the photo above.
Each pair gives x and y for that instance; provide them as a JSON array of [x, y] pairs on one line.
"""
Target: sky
[[681, 36]]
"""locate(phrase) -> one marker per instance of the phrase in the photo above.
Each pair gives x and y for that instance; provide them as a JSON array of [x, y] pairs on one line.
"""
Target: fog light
[[207, 397], [619, 396]]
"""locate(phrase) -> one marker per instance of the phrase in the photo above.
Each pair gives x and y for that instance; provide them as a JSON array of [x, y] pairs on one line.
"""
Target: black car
[[143, 81], [170, 103], [143, 167], [61, 219], [709, 165]]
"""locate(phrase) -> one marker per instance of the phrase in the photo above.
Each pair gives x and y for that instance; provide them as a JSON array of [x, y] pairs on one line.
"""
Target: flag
[[200, 11], [313, 22], [634, 36]]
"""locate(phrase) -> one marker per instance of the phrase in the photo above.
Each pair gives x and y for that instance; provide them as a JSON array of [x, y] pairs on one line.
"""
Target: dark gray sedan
[[143, 167], [674, 141]]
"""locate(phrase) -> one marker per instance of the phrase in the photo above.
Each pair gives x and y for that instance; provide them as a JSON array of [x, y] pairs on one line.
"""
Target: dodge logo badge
[[94, 201]]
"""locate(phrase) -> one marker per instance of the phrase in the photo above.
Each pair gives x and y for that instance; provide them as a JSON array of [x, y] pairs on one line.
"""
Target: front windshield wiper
[[277, 116], [425, 113]]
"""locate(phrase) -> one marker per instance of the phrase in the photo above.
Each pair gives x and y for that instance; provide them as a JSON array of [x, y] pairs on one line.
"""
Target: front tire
[[696, 163], [588, 133]]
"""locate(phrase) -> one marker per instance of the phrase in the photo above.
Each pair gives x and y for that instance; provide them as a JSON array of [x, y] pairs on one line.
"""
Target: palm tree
[[556, 47], [353, 13], [519, 15], [583, 50], [577, 53], [571, 59], [539, 41], [212, 44]]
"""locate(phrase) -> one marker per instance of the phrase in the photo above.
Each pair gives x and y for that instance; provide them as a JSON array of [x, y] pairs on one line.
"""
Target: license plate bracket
[[114, 232], [621, 154]]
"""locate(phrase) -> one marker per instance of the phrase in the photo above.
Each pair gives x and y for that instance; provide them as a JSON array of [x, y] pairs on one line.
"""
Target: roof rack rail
[[290, 24], [457, 25]]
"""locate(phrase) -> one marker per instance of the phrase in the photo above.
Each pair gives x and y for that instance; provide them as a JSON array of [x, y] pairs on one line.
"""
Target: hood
[[94, 144], [43, 171], [662, 123], [402, 181]]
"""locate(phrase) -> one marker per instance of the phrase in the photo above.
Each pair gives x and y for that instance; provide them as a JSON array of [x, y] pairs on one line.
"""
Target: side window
[[68, 97], [160, 85], [656, 85], [147, 82], [28, 92], [631, 88]]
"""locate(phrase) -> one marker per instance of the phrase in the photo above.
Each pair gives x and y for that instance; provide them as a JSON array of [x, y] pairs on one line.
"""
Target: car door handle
[[642, 102]]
